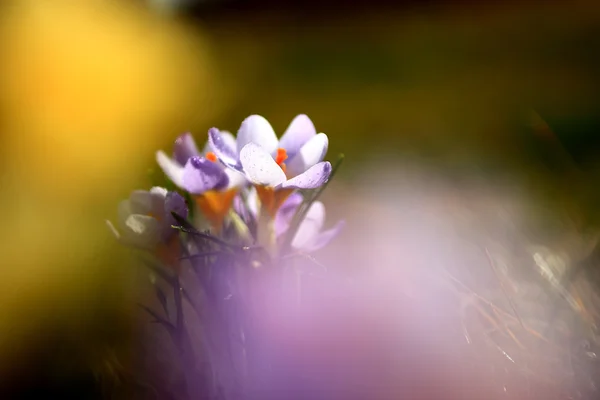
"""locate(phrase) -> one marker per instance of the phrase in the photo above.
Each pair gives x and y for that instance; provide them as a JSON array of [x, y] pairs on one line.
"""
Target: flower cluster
[[250, 175], [239, 194]]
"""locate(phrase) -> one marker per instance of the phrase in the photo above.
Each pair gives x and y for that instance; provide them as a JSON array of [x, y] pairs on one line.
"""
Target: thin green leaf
[[168, 277], [158, 269], [186, 227], [157, 318], [162, 298]]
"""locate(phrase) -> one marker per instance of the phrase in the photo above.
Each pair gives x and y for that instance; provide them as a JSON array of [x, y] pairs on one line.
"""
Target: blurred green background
[[90, 90]]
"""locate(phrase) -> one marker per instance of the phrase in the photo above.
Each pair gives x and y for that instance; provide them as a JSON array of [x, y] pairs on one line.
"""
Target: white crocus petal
[[310, 227], [140, 202], [158, 196], [142, 230], [312, 178], [228, 139], [171, 168], [124, 211], [253, 202], [236, 178], [159, 191], [113, 230], [323, 238], [310, 154], [300, 131], [256, 129], [259, 166]]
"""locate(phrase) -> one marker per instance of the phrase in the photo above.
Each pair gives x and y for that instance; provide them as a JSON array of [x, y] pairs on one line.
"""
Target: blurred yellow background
[[89, 90]]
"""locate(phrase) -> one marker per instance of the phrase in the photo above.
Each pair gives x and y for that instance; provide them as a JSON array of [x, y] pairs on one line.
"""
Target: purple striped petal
[[311, 153], [312, 178], [256, 129], [201, 175], [184, 148], [228, 139], [259, 166], [300, 131], [222, 148]]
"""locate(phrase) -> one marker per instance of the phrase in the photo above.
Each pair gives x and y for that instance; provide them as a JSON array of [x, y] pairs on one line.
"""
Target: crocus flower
[[145, 221], [309, 236], [275, 167], [211, 183]]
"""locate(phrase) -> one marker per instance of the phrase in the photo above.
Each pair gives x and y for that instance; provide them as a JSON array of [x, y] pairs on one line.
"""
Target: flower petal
[[229, 142], [323, 238], [300, 131], [256, 129], [142, 230], [201, 175], [312, 178], [222, 147], [286, 212], [259, 166], [140, 202], [310, 227], [124, 211], [171, 168], [236, 178], [174, 202], [253, 203], [158, 196], [311, 153], [184, 148]]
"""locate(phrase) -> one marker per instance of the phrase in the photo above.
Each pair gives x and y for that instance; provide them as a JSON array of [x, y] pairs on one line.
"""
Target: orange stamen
[[271, 200], [281, 156], [215, 205], [210, 156]]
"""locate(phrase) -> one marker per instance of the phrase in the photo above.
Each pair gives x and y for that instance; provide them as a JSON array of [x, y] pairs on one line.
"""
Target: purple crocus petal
[[286, 212], [300, 131], [323, 238], [312, 178], [310, 227], [256, 129], [174, 202], [201, 175], [259, 166], [184, 148], [311, 153], [172, 169], [222, 148], [228, 139]]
